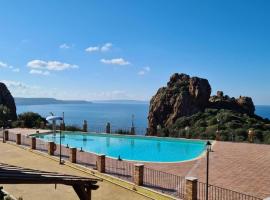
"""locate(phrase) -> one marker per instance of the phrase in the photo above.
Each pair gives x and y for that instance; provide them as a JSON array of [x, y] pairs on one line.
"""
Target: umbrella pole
[[60, 159]]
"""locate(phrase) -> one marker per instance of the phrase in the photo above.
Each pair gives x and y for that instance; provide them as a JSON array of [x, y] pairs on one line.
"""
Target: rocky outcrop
[[242, 104], [7, 100], [183, 96]]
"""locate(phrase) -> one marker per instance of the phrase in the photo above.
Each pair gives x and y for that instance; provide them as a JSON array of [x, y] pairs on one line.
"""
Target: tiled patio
[[237, 166]]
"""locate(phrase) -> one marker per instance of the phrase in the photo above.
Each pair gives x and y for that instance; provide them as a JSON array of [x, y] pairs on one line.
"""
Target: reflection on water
[[132, 143], [108, 141], [132, 148]]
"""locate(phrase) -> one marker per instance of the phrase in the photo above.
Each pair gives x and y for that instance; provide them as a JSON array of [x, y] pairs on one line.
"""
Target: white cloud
[[144, 71], [115, 61], [2, 64], [92, 49], [7, 66], [20, 89], [106, 47], [64, 46], [40, 72], [50, 65]]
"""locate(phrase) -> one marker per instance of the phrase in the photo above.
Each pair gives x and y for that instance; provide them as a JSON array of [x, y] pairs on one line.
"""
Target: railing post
[[72, 155], [138, 174], [51, 147], [218, 135], [191, 188], [108, 128], [101, 163], [85, 126], [5, 138], [33, 143], [132, 130], [18, 138]]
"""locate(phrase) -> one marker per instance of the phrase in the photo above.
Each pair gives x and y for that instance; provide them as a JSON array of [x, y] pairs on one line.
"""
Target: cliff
[[185, 96], [7, 100]]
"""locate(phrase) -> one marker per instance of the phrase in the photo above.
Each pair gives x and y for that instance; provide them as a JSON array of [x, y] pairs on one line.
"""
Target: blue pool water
[[136, 148]]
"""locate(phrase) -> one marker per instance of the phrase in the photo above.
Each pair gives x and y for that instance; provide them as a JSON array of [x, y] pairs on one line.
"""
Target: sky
[[126, 49]]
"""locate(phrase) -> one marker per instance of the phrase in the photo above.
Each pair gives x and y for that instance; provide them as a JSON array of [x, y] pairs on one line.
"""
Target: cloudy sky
[[125, 49]]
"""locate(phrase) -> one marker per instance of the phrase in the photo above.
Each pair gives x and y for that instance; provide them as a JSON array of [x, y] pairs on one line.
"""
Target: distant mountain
[[45, 101], [120, 101]]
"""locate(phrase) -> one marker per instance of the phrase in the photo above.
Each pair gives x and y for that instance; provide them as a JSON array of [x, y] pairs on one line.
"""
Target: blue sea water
[[137, 148], [263, 111], [98, 114]]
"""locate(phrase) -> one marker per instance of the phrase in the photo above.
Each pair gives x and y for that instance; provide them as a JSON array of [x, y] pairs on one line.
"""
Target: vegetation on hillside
[[5, 116], [232, 126], [30, 120]]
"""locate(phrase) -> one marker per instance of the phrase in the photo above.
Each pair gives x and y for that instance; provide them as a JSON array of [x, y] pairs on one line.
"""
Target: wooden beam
[[82, 192]]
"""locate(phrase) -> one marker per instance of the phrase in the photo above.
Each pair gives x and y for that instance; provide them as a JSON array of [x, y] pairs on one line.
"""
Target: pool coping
[[202, 154]]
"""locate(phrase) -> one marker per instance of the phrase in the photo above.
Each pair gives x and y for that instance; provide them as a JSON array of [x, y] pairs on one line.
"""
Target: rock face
[[7, 100], [183, 96], [242, 104]]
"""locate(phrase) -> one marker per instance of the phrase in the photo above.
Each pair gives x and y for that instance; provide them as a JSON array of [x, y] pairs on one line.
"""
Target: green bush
[[266, 137], [5, 116], [31, 119], [123, 132]]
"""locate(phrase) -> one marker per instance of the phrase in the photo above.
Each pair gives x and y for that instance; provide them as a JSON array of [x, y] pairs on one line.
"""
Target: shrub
[[72, 128], [266, 137], [31, 119], [5, 115], [123, 132]]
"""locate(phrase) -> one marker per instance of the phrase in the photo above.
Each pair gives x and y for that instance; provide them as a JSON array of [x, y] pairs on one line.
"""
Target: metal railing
[[120, 169], [64, 151], [164, 182], [41, 145], [218, 193], [87, 159], [25, 140]]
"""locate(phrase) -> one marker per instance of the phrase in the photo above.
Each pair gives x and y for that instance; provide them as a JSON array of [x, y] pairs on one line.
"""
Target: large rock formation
[[7, 100], [183, 96], [242, 104]]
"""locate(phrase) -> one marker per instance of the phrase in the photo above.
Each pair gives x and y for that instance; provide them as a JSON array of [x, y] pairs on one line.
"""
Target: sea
[[97, 115], [120, 115]]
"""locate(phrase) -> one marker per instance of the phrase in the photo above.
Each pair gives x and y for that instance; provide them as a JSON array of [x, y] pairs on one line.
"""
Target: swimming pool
[[136, 148]]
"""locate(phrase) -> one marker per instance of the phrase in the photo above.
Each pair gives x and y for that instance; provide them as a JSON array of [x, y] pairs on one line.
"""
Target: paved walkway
[[241, 167], [28, 131], [16, 156]]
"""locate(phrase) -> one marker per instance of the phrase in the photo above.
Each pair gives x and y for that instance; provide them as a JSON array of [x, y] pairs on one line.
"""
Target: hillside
[[184, 108], [45, 101]]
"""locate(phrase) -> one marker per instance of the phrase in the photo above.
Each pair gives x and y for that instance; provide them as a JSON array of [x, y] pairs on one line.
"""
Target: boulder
[[183, 96], [242, 104], [7, 100]]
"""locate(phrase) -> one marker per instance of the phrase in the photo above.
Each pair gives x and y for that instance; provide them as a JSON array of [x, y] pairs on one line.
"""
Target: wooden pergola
[[10, 174]]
